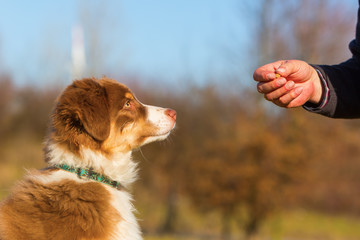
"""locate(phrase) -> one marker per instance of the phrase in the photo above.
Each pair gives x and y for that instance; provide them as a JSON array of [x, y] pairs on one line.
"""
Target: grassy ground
[[294, 225], [15, 160], [309, 225], [289, 225]]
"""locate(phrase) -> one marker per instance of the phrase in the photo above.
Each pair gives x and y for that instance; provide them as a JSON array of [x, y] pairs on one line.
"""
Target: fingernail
[[280, 70], [299, 90], [269, 76], [289, 85], [281, 81]]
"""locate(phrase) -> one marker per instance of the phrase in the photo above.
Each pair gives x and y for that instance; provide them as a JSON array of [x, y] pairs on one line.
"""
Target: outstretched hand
[[289, 83]]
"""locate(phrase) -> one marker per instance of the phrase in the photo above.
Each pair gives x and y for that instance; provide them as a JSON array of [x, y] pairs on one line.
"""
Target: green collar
[[88, 173]]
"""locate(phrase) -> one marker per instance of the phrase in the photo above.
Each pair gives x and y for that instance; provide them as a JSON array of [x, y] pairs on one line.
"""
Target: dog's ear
[[84, 106]]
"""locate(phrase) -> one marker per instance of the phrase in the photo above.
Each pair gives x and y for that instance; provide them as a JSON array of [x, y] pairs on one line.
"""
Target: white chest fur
[[127, 228], [120, 168]]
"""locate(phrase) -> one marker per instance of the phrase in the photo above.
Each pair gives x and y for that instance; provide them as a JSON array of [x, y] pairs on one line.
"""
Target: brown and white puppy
[[95, 126]]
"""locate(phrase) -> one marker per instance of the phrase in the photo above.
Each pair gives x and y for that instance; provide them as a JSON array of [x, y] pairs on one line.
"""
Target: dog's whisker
[[142, 154]]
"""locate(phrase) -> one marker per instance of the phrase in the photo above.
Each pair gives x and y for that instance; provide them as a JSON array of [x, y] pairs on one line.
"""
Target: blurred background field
[[236, 167]]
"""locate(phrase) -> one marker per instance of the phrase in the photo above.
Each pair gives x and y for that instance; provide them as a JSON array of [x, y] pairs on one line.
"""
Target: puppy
[[82, 195]]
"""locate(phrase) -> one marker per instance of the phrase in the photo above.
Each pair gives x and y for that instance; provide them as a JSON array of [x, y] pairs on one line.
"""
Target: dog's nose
[[171, 113]]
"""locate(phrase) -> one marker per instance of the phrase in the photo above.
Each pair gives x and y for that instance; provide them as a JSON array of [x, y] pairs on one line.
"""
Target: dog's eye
[[127, 104]]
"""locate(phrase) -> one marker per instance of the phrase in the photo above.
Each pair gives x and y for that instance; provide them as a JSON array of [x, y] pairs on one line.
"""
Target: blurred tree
[[241, 162], [225, 171], [314, 31], [7, 92], [31, 111], [24, 114], [295, 30]]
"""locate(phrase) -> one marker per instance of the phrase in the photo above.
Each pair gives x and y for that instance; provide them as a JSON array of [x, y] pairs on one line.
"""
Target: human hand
[[298, 83]]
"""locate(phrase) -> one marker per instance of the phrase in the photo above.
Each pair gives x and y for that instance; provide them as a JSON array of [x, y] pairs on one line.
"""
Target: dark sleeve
[[341, 85], [341, 90]]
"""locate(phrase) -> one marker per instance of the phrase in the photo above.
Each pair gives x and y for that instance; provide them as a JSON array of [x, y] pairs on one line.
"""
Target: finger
[[287, 99], [288, 67], [263, 75], [267, 87], [266, 72], [277, 94]]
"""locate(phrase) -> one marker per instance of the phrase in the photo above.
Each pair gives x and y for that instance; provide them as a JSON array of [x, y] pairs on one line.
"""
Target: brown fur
[[69, 210], [81, 115], [101, 115], [88, 109], [62, 210]]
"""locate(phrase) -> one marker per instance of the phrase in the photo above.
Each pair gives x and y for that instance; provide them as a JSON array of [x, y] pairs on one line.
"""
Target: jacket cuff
[[324, 96]]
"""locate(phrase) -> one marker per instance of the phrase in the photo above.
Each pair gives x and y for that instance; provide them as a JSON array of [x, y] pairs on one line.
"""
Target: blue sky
[[154, 38], [157, 39]]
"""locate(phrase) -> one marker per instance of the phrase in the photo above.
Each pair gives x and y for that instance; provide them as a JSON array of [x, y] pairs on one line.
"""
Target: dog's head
[[104, 115]]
